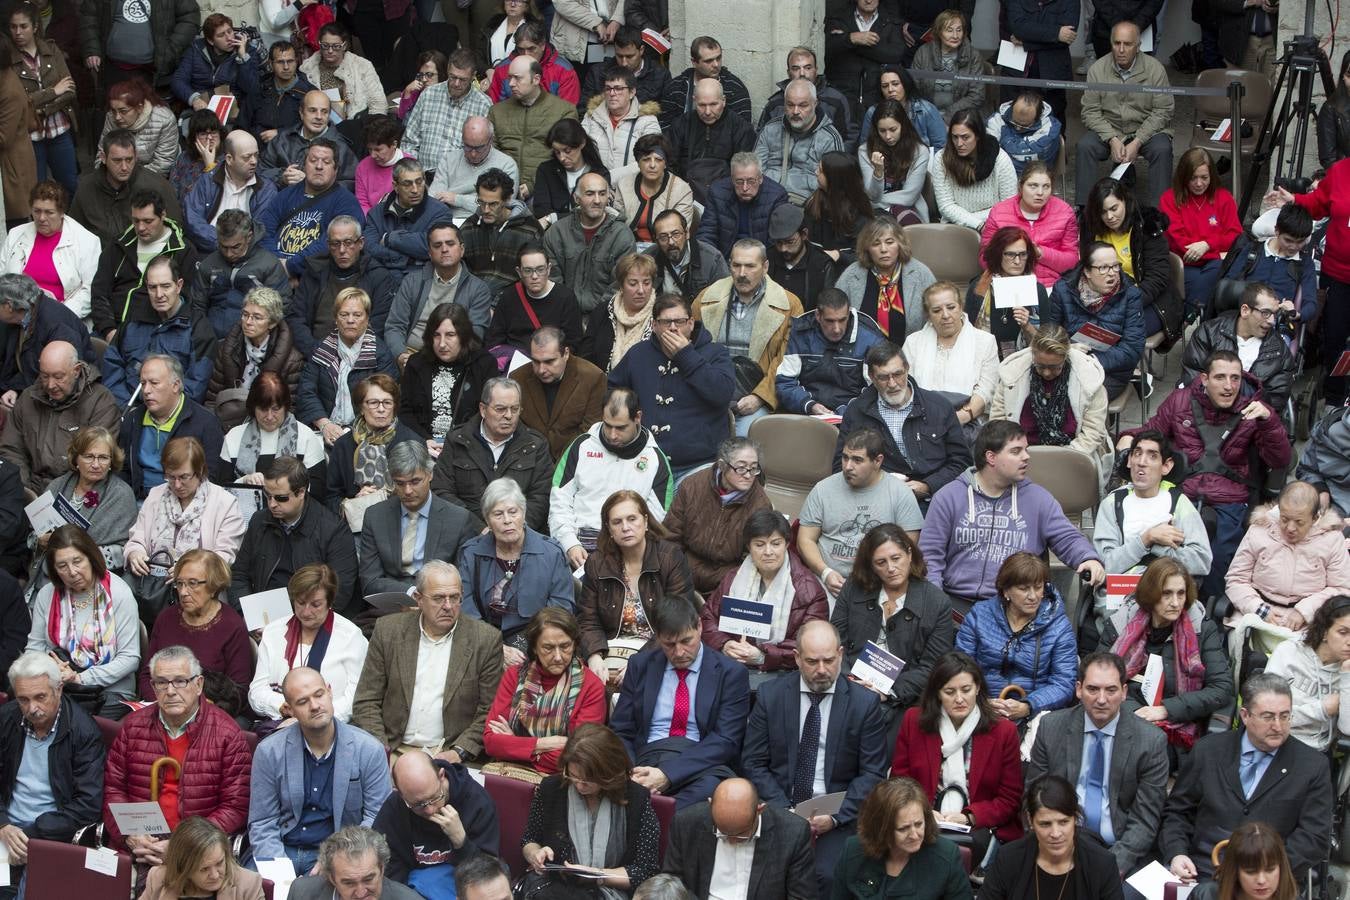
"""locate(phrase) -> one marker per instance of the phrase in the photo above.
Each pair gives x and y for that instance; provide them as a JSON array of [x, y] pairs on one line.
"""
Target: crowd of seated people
[[384, 418]]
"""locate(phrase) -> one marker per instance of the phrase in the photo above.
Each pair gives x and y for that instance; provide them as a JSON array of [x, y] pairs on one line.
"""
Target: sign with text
[[877, 667], [1120, 587], [139, 818], [746, 617]]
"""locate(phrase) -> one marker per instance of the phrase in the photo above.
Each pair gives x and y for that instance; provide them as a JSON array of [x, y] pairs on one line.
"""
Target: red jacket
[[556, 75], [808, 602], [1173, 419], [590, 707], [1215, 220], [215, 775], [1332, 198], [994, 778]]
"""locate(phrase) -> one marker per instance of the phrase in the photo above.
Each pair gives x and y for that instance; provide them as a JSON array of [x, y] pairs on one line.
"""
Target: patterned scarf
[[1130, 646], [1050, 408], [96, 643], [177, 530], [369, 460], [1089, 297], [250, 445], [253, 361], [544, 713], [316, 650], [340, 360], [628, 328], [889, 298]]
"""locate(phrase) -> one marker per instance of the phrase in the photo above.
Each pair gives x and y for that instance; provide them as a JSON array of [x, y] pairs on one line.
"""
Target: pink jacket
[[1267, 568], [1055, 234]]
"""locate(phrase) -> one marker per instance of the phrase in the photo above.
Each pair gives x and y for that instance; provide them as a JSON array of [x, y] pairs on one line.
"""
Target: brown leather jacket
[[665, 572]]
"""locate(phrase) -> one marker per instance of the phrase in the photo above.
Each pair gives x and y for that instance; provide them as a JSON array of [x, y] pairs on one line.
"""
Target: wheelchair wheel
[[1306, 403]]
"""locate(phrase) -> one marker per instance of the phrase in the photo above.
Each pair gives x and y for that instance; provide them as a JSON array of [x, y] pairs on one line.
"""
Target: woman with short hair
[[359, 462], [614, 327], [1202, 224], [134, 105], [1010, 252], [1098, 294], [259, 342], [951, 356], [350, 354], [647, 188], [54, 249], [886, 282], [270, 431], [205, 149]]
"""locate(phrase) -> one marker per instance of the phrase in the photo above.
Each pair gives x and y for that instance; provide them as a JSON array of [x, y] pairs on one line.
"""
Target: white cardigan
[[970, 367], [364, 93], [75, 257], [341, 667]]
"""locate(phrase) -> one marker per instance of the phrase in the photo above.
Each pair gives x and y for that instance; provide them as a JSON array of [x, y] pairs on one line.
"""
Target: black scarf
[[1050, 409]]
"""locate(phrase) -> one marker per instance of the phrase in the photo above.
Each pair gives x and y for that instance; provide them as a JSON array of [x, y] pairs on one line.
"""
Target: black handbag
[[748, 374], [550, 886]]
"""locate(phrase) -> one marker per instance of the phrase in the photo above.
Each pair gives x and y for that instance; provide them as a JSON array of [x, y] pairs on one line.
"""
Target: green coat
[[934, 873], [520, 130]]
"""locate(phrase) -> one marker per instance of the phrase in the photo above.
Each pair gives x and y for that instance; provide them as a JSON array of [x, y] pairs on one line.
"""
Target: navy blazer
[[857, 725], [721, 706]]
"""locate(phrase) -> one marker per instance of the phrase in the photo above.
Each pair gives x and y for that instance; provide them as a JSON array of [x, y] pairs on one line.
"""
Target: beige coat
[[574, 21], [677, 196], [362, 89], [768, 335]]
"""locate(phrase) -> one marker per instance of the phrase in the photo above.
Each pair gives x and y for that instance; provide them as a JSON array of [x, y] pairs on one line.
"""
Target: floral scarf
[[889, 299], [96, 642], [176, 529], [1131, 647], [1090, 298], [544, 713]]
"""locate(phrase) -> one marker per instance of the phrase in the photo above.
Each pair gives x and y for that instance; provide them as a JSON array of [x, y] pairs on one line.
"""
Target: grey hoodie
[[1312, 682]]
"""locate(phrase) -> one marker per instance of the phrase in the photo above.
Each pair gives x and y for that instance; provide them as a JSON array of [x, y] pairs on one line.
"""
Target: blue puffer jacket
[[1122, 315], [719, 223], [399, 242], [187, 337], [815, 371], [1040, 140], [203, 202], [685, 398], [196, 73], [1042, 659]]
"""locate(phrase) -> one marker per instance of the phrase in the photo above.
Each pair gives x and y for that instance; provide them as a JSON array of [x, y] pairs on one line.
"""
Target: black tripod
[[1292, 97]]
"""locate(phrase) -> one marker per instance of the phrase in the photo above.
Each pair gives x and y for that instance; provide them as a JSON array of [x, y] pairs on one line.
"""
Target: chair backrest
[[951, 251], [268, 888], [1255, 98], [58, 870], [664, 807], [1061, 169], [108, 728], [512, 799], [797, 453], [251, 738], [1070, 476], [1177, 269]]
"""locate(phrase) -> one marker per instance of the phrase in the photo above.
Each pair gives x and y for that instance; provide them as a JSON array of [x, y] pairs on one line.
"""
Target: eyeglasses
[[890, 377], [98, 459], [533, 271], [1266, 313], [1015, 254], [425, 76], [615, 88], [378, 404], [746, 470], [672, 323], [181, 479], [252, 317], [189, 584], [178, 684], [1105, 268], [437, 600], [332, 48], [437, 798], [745, 182], [343, 243]]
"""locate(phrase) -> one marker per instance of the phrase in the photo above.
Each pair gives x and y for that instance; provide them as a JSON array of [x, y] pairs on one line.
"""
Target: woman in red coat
[[768, 574], [541, 701], [963, 753], [1202, 222]]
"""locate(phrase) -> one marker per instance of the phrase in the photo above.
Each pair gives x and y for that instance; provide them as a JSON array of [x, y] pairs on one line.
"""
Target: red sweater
[[1214, 220], [1332, 199], [590, 707]]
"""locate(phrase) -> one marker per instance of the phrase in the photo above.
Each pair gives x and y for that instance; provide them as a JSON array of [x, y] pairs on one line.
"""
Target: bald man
[[522, 121], [457, 168], [233, 185], [283, 161], [586, 246], [65, 398], [817, 713], [706, 137], [437, 817], [717, 838]]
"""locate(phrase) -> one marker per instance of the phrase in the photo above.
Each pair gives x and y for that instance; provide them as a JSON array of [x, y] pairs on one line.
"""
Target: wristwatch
[[464, 755]]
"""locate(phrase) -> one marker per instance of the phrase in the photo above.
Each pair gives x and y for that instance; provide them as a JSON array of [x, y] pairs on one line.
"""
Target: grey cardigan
[[109, 523], [915, 278]]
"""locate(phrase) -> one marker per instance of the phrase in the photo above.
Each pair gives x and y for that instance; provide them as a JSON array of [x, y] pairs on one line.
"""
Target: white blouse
[[341, 667]]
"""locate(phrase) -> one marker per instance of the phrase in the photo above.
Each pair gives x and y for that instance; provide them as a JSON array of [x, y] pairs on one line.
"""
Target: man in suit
[[293, 530], [1118, 762], [841, 741], [311, 780], [682, 708], [351, 867], [401, 533], [714, 840], [1256, 773], [429, 674], [561, 394]]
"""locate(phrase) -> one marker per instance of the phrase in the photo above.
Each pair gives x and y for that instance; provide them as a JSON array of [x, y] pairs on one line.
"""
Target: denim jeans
[[56, 157]]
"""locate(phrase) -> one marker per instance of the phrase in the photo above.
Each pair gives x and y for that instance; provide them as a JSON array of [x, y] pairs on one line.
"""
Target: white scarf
[[747, 586], [177, 529], [343, 413], [954, 742]]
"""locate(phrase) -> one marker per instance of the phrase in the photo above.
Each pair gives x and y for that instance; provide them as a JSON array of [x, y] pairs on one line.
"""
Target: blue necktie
[[804, 779], [1095, 789], [1251, 762]]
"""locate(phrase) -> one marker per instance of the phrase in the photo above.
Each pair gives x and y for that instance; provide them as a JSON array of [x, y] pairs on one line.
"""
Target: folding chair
[[798, 452]]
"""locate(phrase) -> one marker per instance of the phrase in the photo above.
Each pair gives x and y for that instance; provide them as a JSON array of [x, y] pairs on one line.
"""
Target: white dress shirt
[[818, 779], [426, 718], [731, 868]]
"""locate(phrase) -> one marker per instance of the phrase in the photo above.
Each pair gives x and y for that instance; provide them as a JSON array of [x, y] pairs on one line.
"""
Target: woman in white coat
[[66, 257], [1061, 390], [953, 357], [313, 635]]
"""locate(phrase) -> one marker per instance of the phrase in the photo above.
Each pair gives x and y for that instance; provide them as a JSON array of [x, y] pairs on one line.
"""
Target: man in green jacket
[[522, 121]]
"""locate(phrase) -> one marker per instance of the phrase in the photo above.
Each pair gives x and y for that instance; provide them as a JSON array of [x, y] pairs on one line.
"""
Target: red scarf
[[1190, 670], [889, 298], [316, 650]]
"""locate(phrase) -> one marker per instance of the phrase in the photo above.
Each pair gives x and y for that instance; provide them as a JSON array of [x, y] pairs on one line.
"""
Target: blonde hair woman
[[198, 863]]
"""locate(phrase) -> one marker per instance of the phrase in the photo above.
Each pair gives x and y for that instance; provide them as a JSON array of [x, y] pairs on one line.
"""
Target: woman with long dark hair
[[1333, 120], [1316, 668], [442, 382], [897, 84], [972, 173], [893, 160], [42, 70], [839, 207], [1139, 236], [1255, 866]]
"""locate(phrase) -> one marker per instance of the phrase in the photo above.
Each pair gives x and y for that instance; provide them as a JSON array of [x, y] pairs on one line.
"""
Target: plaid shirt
[[57, 123], [895, 416], [439, 121]]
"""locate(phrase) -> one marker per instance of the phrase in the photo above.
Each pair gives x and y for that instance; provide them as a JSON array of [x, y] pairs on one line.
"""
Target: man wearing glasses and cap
[[796, 262]]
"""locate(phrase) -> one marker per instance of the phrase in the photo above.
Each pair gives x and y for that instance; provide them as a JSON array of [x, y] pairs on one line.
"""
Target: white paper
[[518, 360], [877, 667], [4, 865], [1119, 171], [43, 515], [101, 860], [1152, 686], [139, 818], [281, 872], [1012, 56], [824, 805], [1153, 879], [1221, 133], [1146, 40], [1015, 290], [265, 607], [251, 500], [957, 827]]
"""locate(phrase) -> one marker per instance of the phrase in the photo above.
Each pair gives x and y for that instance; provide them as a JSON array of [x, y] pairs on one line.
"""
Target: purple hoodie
[[966, 536]]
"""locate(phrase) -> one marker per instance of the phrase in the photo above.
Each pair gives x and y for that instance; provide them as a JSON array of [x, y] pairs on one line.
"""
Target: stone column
[[755, 36]]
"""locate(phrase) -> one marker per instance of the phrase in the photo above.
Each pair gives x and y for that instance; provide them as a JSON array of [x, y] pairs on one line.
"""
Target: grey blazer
[[316, 887], [1137, 784], [381, 544], [783, 868]]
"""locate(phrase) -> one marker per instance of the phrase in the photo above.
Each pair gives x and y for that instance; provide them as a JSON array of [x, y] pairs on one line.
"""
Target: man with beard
[[683, 265], [790, 148]]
